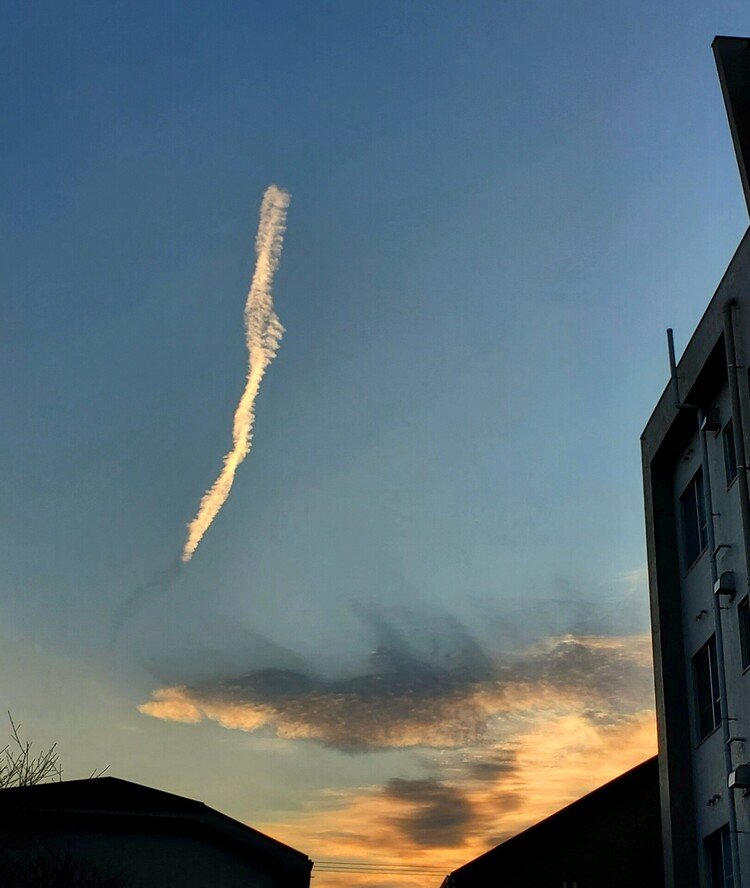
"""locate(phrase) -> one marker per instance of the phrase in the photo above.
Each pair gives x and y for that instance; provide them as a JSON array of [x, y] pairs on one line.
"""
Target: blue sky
[[496, 211]]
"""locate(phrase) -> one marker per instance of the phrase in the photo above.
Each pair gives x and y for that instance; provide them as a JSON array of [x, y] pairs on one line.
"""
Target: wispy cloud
[[635, 581], [158, 585], [263, 332]]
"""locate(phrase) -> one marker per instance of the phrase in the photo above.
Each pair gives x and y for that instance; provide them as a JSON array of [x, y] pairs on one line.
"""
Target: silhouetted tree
[[25, 860], [18, 767]]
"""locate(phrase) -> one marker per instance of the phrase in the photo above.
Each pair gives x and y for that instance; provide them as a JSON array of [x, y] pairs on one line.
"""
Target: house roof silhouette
[[111, 797]]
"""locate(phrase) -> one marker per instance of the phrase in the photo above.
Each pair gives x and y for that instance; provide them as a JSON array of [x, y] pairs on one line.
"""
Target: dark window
[[730, 455], [693, 513], [743, 616], [719, 859], [707, 697]]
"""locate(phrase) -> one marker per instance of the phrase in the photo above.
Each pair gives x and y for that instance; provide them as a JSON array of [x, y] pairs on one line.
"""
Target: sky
[[420, 622]]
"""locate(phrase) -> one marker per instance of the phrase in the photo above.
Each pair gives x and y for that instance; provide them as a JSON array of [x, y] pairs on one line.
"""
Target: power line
[[438, 874], [393, 869], [366, 869], [418, 866], [373, 869]]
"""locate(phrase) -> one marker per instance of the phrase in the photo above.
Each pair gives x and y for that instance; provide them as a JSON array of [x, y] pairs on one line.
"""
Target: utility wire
[[383, 869], [418, 866], [372, 869]]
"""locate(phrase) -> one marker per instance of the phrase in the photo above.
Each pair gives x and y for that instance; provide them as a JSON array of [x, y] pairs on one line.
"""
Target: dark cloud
[[441, 815], [401, 694], [432, 689], [593, 667], [492, 768]]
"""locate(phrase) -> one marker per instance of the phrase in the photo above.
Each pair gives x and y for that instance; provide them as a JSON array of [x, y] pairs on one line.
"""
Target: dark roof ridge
[[88, 782], [580, 803], [43, 796]]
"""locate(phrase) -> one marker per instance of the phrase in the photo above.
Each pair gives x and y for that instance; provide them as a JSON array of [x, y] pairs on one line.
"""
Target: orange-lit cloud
[[506, 741], [403, 701], [444, 823], [263, 333]]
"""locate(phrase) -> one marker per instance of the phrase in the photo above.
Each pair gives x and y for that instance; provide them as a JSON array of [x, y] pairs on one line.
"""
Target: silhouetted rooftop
[[611, 832], [111, 796]]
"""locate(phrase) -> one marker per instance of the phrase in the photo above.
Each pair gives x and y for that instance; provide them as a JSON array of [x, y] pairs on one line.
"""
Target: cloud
[[263, 333], [444, 821], [378, 710], [440, 814], [158, 585], [635, 582], [503, 740], [407, 697], [491, 768]]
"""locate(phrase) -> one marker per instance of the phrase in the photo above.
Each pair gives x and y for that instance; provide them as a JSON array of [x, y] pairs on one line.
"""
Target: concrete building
[[694, 450], [610, 837], [140, 837]]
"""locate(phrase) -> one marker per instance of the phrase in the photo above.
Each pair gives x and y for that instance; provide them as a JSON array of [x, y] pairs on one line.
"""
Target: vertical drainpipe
[[718, 630], [738, 430], [739, 449], [719, 635]]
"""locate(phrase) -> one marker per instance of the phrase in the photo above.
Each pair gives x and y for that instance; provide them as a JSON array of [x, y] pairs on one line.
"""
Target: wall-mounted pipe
[[716, 602], [738, 431], [719, 636]]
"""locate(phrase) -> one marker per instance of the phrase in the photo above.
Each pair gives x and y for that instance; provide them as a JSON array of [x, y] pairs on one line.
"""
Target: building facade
[[694, 451]]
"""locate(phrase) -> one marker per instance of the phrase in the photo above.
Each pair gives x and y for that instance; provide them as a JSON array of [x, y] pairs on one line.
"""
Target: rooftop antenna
[[673, 369]]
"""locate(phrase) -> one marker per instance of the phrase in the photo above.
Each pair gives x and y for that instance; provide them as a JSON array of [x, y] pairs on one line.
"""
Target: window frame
[[730, 452], [714, 703], [743, 627], [717, 850], [693, 520]]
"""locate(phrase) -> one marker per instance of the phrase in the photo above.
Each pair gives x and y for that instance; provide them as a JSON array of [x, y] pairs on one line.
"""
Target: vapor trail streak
[[161, 583], [263, 332]]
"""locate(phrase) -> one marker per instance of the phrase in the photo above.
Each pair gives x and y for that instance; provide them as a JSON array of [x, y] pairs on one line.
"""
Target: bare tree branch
[[25, 859], [19, 767]]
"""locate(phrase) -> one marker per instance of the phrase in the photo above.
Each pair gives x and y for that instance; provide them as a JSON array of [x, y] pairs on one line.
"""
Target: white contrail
[[263, 332]]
